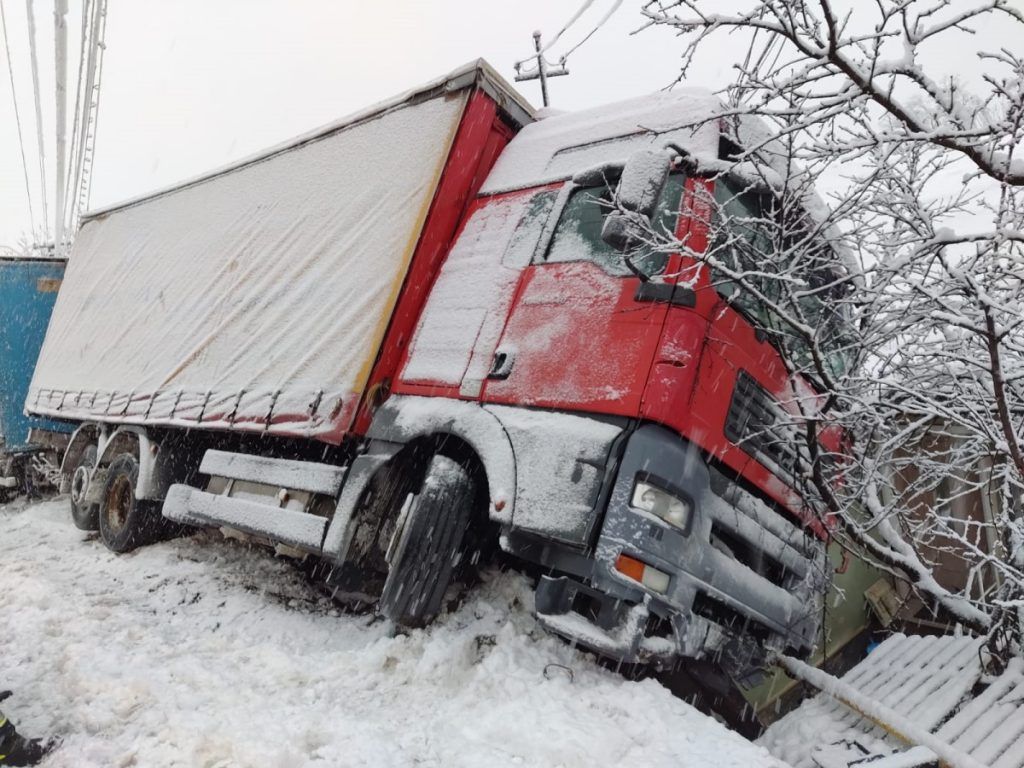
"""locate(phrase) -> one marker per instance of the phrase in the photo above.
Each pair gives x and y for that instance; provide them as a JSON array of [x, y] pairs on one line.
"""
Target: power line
[[543, 69], [575, 17], [17, 119], [542, 72], [608, 14], [73, 161]]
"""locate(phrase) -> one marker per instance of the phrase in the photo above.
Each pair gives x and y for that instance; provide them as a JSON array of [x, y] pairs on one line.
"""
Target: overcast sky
[[189, 85]]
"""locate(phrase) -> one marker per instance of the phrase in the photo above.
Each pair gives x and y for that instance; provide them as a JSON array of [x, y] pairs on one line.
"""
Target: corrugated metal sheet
[[990, 728], [921, 678], [935, 683]]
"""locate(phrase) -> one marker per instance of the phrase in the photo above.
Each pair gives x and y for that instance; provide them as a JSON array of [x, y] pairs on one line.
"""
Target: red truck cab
[[637, 404]]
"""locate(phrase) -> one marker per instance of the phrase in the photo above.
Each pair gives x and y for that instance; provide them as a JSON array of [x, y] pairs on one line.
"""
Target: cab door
[[583, 329]]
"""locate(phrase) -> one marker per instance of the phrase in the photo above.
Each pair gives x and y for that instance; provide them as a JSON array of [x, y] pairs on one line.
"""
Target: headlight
[[653, 500]]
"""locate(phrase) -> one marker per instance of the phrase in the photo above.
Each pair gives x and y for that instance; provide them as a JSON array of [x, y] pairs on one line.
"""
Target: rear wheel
[[125, 521], [85, 516], [428, 543]]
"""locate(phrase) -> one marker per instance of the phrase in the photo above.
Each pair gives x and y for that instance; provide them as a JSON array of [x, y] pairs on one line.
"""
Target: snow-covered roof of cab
[[560, 144], [476, 73], [557, 147]]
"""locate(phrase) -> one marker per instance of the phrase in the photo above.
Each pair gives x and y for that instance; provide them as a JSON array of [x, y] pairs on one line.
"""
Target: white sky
[[189, 85]]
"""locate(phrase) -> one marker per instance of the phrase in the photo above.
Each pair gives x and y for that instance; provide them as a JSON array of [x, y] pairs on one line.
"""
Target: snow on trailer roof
[[557, 147], [477, 72]]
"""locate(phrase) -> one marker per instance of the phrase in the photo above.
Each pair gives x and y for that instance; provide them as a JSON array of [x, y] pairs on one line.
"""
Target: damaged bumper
[[737, 580]]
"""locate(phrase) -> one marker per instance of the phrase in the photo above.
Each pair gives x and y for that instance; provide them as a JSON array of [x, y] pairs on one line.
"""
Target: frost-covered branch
[[851, 62], [902, 300]]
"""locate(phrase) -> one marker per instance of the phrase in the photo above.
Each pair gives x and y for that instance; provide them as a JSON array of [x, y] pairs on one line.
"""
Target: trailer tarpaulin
[[255, 298]]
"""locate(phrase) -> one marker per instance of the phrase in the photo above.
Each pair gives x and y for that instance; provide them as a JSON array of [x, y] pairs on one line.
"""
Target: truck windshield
[[578, 234], [747, 239]]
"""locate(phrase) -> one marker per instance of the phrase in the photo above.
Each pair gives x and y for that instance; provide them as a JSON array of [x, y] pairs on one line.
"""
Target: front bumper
[[622, 629], [743, 579]]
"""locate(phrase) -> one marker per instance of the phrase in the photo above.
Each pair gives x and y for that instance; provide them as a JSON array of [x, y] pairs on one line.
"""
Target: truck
[[30, 448], [420, 338]]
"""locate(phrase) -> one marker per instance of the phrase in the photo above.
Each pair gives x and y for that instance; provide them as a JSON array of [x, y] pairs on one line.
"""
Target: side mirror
[[642, 181], [640, 187]]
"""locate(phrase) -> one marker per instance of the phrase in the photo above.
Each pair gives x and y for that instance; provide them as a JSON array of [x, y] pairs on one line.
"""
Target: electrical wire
[[17, 119], [73, 178], [616, 4], [614, 7], [575, 17]]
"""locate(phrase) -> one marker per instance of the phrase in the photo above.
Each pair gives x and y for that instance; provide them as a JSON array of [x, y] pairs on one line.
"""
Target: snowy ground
[[203, 652]]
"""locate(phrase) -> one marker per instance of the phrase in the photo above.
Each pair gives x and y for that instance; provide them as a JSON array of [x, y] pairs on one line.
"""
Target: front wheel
[[125, 521], [428, 543]]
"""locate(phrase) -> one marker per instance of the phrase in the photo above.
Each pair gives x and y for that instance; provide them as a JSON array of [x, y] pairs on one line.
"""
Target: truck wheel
[[125, 521], [85, 516], [427, 544]]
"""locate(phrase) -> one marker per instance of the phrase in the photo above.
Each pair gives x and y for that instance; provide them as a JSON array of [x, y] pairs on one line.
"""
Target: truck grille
[[757, 424]]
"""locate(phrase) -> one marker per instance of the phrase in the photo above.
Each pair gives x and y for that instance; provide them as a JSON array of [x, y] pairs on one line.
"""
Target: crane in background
[[74, 132]]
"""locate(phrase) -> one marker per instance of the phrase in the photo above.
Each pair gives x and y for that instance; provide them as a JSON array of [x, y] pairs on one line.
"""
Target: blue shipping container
[[28, 290]]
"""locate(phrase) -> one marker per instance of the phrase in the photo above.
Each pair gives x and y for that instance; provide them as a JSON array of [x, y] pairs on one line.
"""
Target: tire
[[85, 518], [427, 544], [126, 522]]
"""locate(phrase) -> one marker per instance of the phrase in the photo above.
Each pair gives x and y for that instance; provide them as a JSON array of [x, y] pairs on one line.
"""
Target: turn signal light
[[639, 571]]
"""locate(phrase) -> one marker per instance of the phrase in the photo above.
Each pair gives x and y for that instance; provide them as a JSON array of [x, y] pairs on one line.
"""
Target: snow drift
[[206, 653]]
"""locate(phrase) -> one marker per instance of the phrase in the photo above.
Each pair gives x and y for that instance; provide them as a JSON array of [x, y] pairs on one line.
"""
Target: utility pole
[[543, 71]]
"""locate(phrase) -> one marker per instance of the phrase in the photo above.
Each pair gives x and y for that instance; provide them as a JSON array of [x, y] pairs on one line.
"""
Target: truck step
[[284, 473], [192, 506]]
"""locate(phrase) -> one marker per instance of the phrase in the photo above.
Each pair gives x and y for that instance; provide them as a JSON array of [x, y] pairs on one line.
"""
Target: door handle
[[502, 364]]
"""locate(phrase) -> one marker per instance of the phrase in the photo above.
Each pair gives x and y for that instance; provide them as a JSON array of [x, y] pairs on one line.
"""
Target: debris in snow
[[912, 684], [174, 656]]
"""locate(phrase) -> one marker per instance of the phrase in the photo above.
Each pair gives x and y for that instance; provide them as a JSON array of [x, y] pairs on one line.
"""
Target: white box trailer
[[255, 298]]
